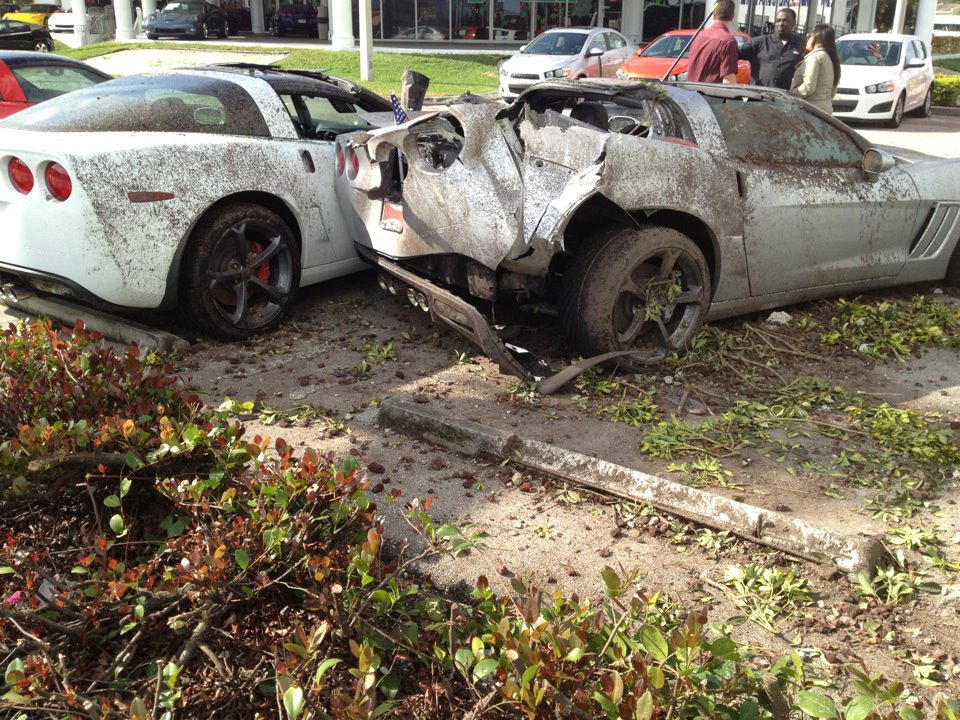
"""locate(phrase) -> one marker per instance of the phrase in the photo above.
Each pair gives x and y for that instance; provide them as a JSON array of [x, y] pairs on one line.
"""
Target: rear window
[[44, 82], [162, 103]]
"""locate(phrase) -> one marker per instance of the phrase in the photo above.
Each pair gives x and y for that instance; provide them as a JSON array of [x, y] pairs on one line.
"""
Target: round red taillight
[[58, 181], [341, 163], [354, 167], [20, 176]]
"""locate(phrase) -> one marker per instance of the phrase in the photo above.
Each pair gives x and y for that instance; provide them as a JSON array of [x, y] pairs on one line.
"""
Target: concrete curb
[[112, 327], [944, 110], [766, 527]]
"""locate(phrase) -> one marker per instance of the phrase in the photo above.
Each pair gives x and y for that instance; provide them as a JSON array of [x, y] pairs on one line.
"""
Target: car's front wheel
[[152, 36], [924, 110], [42, 46], [204, 32], [240, 272], [645, 289], [897, 117], [225, 30]]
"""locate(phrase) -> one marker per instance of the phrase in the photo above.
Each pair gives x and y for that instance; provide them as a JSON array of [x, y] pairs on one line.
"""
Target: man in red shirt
[[714, 52]]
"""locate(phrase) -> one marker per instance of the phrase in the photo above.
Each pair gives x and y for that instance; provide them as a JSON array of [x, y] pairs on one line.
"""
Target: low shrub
[[253, 582], [945, 45], [946, 90]]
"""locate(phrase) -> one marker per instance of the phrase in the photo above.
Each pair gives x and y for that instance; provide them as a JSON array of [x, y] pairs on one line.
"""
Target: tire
[[897, 117], [204, 32], [42, 46], [952, 278], [924, 110], [609, 285], [151, 36], [234, 297], [225, 30]]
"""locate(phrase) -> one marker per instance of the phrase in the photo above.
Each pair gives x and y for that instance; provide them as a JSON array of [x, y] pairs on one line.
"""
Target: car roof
[[16, 58], [291, 79], [877, 36], [580, 30]]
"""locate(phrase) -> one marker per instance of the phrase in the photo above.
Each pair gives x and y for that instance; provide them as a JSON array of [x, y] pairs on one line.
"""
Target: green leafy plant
[[379, 354], [767, 594]]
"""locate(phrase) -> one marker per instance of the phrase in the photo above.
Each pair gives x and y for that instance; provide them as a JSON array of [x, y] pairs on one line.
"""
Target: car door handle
[[307, 160]]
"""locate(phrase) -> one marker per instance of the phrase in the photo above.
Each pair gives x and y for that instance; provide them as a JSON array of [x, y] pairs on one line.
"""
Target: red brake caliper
[[262, 272]]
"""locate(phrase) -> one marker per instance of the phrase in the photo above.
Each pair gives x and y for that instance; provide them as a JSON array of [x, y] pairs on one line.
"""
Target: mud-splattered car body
[[207, 189], [641, 209]]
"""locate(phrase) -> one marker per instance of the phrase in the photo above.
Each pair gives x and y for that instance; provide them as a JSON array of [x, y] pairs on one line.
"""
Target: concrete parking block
[[759, 525], [112, 327]]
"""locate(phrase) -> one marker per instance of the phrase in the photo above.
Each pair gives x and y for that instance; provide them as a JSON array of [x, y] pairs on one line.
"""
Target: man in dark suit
[[774, 57]]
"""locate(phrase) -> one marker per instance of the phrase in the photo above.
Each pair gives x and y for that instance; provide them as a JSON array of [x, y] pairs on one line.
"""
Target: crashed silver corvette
[[640, 210]]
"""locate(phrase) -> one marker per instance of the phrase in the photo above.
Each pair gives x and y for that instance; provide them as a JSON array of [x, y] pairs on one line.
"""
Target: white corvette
[[206, 191]]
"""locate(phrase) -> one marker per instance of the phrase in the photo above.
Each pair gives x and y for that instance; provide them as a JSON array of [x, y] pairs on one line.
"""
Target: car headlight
[[559, 72], [883, 87], [679, 77], [621, 75]]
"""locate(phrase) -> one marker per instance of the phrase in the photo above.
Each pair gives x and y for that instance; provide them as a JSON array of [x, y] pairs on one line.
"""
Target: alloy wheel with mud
[[644, 288], [240, 273]]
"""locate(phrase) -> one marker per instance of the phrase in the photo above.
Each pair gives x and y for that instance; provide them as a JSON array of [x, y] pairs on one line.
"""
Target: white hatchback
[[574, 53], [883, 76]]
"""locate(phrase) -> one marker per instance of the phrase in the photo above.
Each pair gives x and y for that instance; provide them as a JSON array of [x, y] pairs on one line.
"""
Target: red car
[[27, 78], [654, 60]]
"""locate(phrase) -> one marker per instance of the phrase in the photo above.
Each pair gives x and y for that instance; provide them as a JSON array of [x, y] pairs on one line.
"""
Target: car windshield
[[885, 53], [558, 43], [668, 47], [183, 8], [161, 103], [38, 8]]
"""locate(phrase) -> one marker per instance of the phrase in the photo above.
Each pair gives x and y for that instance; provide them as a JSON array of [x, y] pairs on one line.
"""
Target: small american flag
[[398, 114]]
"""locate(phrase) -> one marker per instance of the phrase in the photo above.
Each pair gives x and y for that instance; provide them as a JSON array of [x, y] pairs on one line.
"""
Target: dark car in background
[[8, 7], [16, 35], [192, 18], [27, 78], [294, 20]]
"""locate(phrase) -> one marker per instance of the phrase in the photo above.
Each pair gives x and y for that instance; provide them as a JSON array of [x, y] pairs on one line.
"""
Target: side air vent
[[942, 226]]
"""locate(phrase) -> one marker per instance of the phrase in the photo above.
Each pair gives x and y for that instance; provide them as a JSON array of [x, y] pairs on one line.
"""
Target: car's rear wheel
[[42, 46], [204, 32], [953, 269], [645, 289], [897, 117], [924, 110], [225, 30], [240, 273]]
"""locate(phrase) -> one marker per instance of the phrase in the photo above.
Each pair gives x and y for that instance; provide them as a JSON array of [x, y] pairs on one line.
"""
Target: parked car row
[[577, 194]]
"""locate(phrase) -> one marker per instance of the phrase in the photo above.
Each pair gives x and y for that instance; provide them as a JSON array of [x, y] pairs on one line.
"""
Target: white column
[[341, 25], [123, 11], [149, 8], [632, 21], [366, 41], [899, 14], [926, 10], [256, 16], [79, 9]]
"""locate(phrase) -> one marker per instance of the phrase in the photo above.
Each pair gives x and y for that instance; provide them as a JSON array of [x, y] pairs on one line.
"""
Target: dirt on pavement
[[349, 346]]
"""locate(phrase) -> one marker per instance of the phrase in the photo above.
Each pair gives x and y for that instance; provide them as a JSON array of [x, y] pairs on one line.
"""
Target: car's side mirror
[[522, 48], [876, 162], [594, 52]]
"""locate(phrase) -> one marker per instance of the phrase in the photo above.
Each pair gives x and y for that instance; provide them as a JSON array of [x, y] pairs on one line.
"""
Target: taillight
[[353, 168], [20, 176], [341, 162], [58, 181]]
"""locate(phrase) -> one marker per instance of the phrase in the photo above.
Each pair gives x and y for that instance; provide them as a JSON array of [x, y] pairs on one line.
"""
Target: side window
[[598, 43], [919, 50], [778, 132], [42, 82], [326, 117], [617, 42], [911, 53]]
